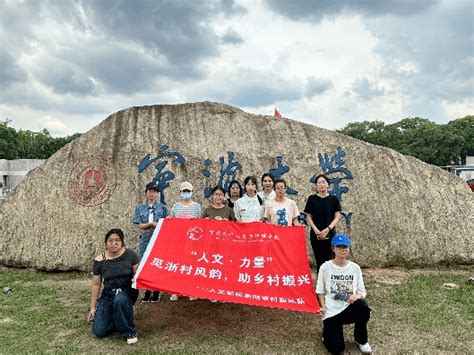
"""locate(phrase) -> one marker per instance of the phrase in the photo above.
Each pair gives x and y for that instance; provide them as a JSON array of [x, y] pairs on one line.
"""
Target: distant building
[[465, 172], [13, 171]]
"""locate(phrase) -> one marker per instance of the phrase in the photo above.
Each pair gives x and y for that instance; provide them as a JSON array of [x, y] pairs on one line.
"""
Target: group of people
[[340, 287]]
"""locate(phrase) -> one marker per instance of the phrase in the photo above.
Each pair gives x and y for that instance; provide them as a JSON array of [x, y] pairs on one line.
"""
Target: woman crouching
[[341, 292], [116, 267]]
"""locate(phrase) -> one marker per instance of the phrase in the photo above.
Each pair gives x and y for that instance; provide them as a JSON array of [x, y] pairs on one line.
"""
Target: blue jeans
[[115, 312], [143, 243]]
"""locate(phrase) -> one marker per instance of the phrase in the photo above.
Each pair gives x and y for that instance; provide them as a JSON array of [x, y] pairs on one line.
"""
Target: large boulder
[[399, 210]]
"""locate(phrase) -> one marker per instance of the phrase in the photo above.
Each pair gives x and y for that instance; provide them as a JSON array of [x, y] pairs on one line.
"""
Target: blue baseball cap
[[341, 239]]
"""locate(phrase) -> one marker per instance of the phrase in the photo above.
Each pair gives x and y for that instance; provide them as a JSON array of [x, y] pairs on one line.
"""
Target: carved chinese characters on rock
[[92, 181], [163, 177]]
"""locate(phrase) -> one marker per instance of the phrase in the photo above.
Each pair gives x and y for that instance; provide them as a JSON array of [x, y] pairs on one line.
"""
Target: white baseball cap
[[185, 186]]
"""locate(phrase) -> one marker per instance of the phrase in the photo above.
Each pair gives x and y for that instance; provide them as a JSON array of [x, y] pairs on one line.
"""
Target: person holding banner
[[324, 212], [282, 210], [249, 208], [186, 208], [235, 192], [217, 210], [341, 292], [115, 267], [268, 193], [146, 216]]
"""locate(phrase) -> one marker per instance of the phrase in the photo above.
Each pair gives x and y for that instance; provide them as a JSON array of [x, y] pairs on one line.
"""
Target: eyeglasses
[[342, 246]]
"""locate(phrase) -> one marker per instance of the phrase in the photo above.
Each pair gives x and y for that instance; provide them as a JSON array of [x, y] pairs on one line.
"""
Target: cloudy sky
[[66, 65]]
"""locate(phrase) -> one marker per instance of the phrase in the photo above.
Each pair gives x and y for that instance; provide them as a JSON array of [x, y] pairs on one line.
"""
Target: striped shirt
[[192, 211]]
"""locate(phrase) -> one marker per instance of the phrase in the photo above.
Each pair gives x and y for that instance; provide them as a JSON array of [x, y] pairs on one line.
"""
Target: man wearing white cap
[[186, 208]]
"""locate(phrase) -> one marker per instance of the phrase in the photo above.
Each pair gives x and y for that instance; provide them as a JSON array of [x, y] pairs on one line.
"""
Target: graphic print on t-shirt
[[342, 287], [281, 217]]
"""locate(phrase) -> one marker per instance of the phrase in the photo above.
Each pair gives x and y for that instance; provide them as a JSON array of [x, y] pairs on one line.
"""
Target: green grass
[[432, 306], [31, 313], [412, 312]]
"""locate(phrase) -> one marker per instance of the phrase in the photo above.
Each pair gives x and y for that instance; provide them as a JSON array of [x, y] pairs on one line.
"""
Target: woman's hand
[[90, 315], [354, 298], [322, 309], [323, 234]]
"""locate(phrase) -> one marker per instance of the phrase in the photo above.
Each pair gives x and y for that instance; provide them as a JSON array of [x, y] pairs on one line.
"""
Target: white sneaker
[[133, 340], [173, 298], [365, 348]]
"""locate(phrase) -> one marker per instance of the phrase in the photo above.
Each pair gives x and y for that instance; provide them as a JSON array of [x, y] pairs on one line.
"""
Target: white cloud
[[55, 126], [66, 66]]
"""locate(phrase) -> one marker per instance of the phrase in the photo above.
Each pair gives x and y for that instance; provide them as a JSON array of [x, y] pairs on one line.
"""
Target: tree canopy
[[25, 144], [437, 144]]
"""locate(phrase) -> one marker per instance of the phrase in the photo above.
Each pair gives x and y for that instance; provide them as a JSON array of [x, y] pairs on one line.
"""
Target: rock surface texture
[[403, 211]]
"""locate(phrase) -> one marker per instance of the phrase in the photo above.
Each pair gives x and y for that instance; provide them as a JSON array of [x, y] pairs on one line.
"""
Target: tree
[[419, 137], [464, 127], [26, 144], [9, 145]]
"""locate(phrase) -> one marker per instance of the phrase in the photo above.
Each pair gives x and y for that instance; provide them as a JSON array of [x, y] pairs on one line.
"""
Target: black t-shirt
[[117, 272], [230, 203], [322, 210]]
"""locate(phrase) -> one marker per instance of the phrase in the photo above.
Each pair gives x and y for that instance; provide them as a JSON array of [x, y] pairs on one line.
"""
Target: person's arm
[[322, 302], [146, 226], [266, 215], [296, 222], [134, 268], [357, 296], [321, 289], [296, 214], [232, 215], [205, 213], [309, 218], [262, 212], [237, 211], [332, 225], [96, 281], [137, 219]]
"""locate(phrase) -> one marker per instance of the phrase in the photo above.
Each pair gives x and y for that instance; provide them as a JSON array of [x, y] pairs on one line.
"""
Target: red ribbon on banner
[[258, 264]]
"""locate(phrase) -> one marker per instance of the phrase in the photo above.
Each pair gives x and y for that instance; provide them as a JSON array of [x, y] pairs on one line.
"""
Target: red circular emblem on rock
[[92, 181]]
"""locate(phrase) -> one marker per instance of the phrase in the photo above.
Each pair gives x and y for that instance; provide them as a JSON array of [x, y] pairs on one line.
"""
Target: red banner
[[258, 264]]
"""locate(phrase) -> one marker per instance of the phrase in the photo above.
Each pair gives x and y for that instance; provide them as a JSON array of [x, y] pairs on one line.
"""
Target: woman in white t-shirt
[[267, 193], [341, 292], [249, 208], [282, 210]]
